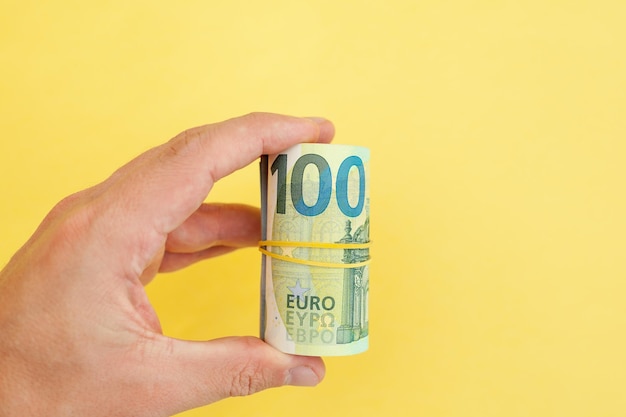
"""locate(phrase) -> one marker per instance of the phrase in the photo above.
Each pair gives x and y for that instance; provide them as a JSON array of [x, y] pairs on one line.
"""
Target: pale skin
[[78, 336]]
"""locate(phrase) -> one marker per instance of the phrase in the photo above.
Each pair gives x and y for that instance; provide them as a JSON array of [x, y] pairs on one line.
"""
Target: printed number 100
[[325, 185]]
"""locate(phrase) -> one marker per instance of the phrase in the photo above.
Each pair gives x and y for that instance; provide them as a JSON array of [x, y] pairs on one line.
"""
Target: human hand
[[78, 335]]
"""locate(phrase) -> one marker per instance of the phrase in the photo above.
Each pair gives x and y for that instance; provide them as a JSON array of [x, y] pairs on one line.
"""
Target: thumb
[[205, 372]]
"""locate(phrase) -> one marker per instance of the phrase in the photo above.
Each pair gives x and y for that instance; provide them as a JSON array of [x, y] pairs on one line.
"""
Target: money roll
[[315, 249]]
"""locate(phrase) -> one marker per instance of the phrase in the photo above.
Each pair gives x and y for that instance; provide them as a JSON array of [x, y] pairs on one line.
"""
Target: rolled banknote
[[315, 246]]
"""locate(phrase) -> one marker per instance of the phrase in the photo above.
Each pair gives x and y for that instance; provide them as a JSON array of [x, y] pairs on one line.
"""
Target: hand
[[78, 335]]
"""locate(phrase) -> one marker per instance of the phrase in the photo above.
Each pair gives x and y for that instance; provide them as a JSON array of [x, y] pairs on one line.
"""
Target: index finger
[[235, 143], [158, 190], [193, 161]]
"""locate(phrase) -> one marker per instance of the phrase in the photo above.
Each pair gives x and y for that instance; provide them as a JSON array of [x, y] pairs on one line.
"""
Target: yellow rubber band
[[324, 245], [313, 263]]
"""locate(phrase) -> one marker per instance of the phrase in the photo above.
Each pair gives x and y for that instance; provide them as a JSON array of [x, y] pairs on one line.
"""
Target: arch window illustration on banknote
[[355, 320]]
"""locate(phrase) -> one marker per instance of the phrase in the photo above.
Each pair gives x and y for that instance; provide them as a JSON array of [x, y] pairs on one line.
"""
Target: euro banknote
[[315, 249]]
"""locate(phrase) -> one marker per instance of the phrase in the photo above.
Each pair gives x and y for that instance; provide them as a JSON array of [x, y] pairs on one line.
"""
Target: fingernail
[[318, 120], [302, 376]]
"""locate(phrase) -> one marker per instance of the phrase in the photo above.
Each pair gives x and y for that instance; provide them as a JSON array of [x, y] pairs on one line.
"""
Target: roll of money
[[315, 249]]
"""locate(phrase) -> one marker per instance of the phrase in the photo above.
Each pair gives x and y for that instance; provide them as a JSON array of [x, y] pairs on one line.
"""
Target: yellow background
[[498, 165]]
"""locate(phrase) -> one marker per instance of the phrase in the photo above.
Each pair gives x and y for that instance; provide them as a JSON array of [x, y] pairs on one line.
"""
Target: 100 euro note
[[315, 264]]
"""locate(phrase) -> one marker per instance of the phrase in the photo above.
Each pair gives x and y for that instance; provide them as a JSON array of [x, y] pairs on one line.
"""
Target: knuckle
[[256, 115], [247, 380], [72, 214], [66, 204], [181, 142], [187, 142], [253, 121], [250, 376]]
